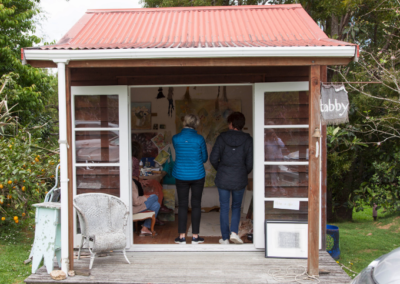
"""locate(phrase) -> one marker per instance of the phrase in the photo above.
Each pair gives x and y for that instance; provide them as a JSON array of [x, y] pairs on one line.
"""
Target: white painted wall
[[160, 106]]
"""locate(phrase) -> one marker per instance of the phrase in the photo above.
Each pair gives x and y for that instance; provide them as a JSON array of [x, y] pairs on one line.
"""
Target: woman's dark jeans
[[183, 187], [224, 200]]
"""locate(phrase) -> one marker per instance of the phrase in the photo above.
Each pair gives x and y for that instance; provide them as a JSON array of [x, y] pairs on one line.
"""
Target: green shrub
[[27, 174]]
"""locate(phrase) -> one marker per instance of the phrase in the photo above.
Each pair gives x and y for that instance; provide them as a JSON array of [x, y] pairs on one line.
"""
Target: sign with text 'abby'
[[334, 104]]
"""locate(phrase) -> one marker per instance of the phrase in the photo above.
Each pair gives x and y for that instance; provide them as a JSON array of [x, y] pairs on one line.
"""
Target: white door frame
[[259, 156], [124, 138]]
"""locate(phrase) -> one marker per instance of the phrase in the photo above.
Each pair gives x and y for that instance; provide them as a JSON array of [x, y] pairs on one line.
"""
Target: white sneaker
[[235, 239], [222, 242]]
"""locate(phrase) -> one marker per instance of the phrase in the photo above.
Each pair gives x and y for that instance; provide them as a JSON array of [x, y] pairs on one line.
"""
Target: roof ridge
[[162, 9]]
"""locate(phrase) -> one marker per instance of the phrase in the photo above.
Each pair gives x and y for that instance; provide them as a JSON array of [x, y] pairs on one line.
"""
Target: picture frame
[[286, 239], [141, 116]]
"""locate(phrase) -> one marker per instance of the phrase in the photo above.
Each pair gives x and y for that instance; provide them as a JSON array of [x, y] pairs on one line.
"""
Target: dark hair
[[136, 150], [238, 120]]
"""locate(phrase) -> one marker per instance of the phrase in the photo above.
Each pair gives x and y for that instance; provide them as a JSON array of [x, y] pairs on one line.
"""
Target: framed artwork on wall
[[286, 239], [141, 115]]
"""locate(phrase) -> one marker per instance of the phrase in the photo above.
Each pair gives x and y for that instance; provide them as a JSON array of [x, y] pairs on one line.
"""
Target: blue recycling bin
[[332, 241]]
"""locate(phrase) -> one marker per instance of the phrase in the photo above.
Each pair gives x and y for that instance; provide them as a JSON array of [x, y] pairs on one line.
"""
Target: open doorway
[[156, 115]]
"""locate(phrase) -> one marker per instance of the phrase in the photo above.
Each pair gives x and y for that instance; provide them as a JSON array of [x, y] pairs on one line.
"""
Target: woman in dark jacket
[[232, 157], [191, 154]]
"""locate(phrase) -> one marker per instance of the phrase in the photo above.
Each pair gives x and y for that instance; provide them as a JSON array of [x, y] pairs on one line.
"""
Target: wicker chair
[[102, 219]]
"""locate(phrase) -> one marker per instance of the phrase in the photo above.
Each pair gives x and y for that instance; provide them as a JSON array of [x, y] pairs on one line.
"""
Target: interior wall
[[160, 106]]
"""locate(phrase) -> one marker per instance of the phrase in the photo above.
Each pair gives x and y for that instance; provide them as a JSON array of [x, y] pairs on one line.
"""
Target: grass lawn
[[363, 239], [14, 249]]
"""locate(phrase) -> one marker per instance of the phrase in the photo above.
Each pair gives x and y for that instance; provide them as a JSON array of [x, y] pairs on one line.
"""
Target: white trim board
[[200, 247], [219, 52]]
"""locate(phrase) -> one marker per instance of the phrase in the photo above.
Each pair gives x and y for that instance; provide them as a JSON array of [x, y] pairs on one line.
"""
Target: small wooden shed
[[277, 52]]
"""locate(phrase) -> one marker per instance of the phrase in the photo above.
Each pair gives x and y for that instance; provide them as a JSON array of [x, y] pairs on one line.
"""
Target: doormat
[[209, 224]]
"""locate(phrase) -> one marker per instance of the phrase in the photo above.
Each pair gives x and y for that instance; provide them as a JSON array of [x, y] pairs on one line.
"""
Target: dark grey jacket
[[232, 157]]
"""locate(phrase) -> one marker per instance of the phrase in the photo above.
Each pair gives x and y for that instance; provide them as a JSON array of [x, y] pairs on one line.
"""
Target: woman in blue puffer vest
[[191, 154]]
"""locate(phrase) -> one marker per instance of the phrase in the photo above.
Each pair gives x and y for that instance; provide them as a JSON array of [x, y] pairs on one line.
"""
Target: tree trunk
[[343, 213], [329, 212], [334, 26]]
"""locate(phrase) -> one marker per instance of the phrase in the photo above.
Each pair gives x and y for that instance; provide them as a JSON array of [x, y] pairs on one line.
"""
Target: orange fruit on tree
[[36, 159], [23, 214], [1, 186], [13, 187], [15, 181], [3, 218], [1, 201], [23, 188], [42, 170], [16, 221], [15, 217], [9, 182], [52, 176]]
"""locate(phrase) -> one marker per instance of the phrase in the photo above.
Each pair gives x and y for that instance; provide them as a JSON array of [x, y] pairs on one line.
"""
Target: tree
[[34, 86], [376, 117], [27, 168]]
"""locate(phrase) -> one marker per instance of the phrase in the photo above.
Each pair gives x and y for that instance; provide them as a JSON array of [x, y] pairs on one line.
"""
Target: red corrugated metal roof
[[195, 27]]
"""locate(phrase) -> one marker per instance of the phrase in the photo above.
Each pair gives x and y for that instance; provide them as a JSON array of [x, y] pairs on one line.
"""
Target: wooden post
[[313, 172], [324, 159]]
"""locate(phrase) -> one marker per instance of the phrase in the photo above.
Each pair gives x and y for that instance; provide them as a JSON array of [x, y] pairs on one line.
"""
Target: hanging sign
[[334, 104]]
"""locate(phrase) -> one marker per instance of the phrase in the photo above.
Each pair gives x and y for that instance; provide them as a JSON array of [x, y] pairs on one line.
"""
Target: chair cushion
[[109, 241], [143, 215]]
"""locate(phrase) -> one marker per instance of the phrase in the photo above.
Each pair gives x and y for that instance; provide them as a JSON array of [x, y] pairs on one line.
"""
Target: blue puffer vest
[[191, 154]]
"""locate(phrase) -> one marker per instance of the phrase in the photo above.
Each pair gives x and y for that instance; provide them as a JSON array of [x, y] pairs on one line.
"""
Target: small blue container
[[332, 241]]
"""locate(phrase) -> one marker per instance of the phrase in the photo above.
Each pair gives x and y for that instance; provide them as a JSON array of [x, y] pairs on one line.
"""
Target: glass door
[[281, 154], [100, 131]]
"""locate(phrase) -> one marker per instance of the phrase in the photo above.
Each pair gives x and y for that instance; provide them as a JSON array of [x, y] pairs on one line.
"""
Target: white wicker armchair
[[102, 219]]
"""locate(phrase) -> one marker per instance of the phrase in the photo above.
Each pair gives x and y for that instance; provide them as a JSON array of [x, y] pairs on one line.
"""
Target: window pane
[[98, 180], [96, 111], [282, 214], [286, 108], [284, 144], [97, 146], [286, 181]]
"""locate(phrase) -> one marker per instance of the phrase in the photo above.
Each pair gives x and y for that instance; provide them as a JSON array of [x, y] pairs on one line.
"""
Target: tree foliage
[[33, 87], [27, 163]]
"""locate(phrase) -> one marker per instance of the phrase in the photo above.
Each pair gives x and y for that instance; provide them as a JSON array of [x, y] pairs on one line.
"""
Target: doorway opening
[[156, 115]]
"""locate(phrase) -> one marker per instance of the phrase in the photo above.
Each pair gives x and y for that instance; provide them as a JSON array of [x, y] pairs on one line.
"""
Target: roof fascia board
[[161, 53]]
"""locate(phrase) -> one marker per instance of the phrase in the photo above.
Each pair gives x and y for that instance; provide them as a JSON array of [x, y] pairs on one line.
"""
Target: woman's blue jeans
[[153, 205], [224, 200]]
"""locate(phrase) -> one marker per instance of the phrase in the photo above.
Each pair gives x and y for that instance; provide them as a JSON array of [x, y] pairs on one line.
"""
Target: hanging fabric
[[217, 100], [334, 104], [160, 94], [170, 100], [187, 96]]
